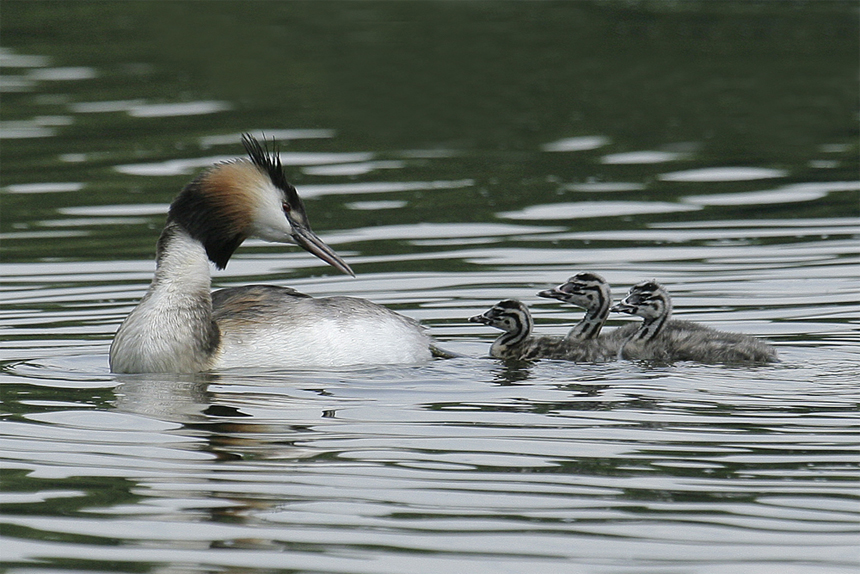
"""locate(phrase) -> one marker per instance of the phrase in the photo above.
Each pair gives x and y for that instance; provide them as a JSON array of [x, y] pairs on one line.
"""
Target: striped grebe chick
[[180, 326], [517, 342], [665, 340], [592, 293]]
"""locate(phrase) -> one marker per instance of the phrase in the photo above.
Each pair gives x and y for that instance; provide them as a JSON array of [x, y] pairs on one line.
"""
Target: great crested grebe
[[591, 292], [659, 339], [516, 342], [180, 326]]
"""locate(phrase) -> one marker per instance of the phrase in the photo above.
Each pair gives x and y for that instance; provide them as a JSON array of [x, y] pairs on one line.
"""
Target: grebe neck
[[523, 326], [590, 325], [172, 329], [652, 325]]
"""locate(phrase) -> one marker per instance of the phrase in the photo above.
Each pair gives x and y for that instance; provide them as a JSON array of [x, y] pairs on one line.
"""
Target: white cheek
[[270, 223], [273, 229]]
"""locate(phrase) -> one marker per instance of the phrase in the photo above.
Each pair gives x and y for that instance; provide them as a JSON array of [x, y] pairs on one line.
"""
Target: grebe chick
[[591, 292], [659, 339], [180, 327], [516, 342]]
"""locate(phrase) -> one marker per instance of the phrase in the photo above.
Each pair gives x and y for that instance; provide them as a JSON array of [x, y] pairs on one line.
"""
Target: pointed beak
[[623, 307], [554, 293], [480, 319], [308, 240]]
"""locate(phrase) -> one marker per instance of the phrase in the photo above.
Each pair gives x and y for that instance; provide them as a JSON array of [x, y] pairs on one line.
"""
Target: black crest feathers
[[270, 162]]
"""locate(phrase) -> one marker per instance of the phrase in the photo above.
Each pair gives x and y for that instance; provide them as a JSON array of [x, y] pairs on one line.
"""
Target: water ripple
[[714, 174]]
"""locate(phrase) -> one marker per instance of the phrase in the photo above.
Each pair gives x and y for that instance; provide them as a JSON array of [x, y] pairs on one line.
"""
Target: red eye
[[286, 207]]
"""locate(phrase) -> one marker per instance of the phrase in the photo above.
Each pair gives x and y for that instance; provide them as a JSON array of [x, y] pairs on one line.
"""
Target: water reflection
[[188, 166], [512, 372], [642, 157], [45, 187], [271, 461], [589, 209], [352, 169], [64, 74], [604, 186], [583, 143], [267, 135], [714, 174], [810, 191], [178, 109], [25, 130]]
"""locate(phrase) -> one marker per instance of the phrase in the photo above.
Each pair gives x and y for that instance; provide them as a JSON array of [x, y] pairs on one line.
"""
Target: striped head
[[587, 290], [235, 200], [648, 300], [510, 316]]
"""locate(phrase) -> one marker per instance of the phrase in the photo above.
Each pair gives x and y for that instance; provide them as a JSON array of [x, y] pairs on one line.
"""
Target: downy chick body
[[659, 339]]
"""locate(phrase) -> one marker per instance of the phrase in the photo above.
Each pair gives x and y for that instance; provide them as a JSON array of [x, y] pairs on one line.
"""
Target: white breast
[[328, 332]]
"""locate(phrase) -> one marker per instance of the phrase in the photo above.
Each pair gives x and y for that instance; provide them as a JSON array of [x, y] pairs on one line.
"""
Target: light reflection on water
[[547, 458], [464, 464], [518, 464]]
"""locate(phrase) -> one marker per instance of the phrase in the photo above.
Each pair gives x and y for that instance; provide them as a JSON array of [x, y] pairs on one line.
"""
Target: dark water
[[455, 154]]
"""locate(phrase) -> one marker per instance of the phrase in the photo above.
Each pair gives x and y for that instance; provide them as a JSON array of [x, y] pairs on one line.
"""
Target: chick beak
[[308, 240], [623, 307], [554, 293], [483, 319]]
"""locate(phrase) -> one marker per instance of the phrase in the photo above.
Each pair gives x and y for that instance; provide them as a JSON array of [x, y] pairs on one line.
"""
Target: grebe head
[[586, 290], [235, 200], [647, 299], [509, 315]]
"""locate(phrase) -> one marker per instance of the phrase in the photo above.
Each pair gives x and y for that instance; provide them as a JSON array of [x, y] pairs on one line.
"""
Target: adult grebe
[[659, 339], [180, 327]]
